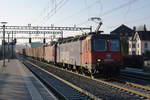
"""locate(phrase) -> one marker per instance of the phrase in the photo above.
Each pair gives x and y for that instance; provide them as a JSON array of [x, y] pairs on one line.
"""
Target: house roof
[[122, 29], [144, 35]]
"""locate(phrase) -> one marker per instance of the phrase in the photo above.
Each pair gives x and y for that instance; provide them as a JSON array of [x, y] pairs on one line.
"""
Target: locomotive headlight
[[99, 60]]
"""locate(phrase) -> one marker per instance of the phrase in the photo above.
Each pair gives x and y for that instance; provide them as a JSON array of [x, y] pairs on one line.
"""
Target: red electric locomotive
[[103, 54], [92, 53]]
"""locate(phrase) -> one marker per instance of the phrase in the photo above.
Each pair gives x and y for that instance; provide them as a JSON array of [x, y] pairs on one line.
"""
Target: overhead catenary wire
[[134, 11], [78, 12], [48, 10], [126, 13], [86, 6], [55, 10], [139, 19], [42, 13], [101, 8], [117, 8], [130, 22], [59, 7], [134, 20], [88, 21], [127, 4]]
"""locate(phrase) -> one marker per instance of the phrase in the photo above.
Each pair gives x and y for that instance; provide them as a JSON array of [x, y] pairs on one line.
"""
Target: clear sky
[[76, 12]]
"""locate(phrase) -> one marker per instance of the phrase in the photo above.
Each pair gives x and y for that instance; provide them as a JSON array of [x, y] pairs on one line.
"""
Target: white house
[[139, 43]]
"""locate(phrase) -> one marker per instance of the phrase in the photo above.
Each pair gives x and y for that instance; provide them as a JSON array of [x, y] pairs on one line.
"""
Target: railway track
[[121, 91], [135, 75], [132, 84], [137, 82], [64, 90], [141, 90]]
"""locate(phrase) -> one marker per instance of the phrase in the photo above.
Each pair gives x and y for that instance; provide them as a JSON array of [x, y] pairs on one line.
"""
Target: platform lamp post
[[12, 50], [3, 43], [8, 47]]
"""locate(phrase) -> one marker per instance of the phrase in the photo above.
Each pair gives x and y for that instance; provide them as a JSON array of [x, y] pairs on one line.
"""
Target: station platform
[[18, 83]]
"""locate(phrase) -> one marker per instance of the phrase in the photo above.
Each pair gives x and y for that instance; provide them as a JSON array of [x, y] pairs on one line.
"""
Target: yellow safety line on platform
[[69, 84]]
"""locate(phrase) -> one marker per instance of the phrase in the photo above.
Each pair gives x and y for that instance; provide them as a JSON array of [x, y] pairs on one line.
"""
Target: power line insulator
[[15, 40], [29, 40], [44, 40]]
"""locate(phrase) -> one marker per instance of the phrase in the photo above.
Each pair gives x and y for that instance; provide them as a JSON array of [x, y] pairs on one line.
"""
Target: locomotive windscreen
[[114, 45], [99, 45]]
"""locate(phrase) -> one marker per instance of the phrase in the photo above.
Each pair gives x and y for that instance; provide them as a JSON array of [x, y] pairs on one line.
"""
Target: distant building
[[35, 44], [28, 45], [139, 42], [123, 31]]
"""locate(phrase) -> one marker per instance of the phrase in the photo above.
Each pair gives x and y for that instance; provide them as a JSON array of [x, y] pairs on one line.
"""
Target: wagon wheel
[[117, 73], [93, 71], [80, 71]]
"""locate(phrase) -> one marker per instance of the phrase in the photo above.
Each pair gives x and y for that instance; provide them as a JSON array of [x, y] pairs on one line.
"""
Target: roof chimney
[[134, 28], [145, 28]]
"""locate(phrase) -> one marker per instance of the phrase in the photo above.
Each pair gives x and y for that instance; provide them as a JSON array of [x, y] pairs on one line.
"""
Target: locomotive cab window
[[114, 45], [99, 45]]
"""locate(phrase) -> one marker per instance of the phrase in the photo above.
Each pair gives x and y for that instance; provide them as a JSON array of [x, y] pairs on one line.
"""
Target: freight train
[[92, 53]]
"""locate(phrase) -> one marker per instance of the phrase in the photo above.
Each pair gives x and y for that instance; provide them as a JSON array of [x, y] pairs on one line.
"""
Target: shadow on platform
[[12, 87]]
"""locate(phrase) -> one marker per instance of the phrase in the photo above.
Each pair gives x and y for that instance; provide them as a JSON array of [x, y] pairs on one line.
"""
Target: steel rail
[[105, 82], [133, 84], [138, 86], [144, 77], [68, 83]]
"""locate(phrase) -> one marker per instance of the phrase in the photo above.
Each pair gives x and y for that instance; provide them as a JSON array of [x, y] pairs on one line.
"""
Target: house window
[[129, 45], [138, 52], [133, 52], [136, 36], [133, 45], [130, 52], [145, 45]]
